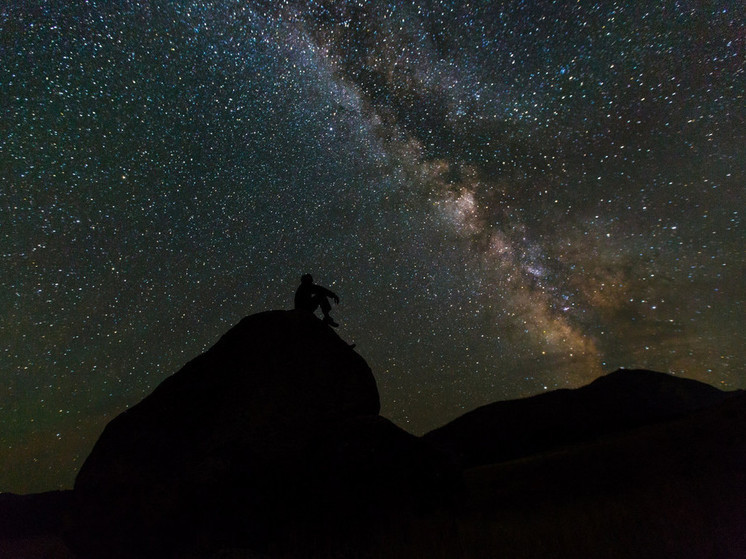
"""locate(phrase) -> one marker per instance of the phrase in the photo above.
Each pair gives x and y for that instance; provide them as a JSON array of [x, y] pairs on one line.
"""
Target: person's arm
[[327, 293]]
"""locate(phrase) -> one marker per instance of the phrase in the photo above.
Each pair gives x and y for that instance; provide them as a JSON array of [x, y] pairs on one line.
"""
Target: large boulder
[[225, 447]]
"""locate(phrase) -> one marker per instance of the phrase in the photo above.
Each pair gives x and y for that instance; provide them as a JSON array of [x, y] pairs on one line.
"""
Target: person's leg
[[314, 302], [325, 308]]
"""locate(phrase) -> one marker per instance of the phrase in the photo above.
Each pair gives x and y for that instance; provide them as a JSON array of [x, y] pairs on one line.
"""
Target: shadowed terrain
[[621, 400], [270, 444]]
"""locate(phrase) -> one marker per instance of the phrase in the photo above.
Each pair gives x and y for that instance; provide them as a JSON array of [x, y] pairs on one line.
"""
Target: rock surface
[[272, 381], [232, 442]]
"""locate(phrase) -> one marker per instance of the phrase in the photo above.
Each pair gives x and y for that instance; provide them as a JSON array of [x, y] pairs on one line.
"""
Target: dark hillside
[[621, 400], [674, 489]]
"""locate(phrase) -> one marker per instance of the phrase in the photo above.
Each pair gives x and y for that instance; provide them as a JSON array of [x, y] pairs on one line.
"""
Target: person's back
[[304, 296]]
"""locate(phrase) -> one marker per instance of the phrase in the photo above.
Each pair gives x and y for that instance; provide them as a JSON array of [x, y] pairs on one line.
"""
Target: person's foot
[[330, 321]]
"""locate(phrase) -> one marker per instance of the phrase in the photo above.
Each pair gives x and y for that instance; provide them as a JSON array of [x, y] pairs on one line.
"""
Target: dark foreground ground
[[270, 445], [674, 489]]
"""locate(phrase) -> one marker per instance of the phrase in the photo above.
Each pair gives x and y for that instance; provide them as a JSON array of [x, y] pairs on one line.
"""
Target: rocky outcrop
[[276, 422], [272, 380]]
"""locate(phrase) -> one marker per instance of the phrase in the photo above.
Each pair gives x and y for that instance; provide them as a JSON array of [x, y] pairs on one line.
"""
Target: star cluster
[[509, 197]]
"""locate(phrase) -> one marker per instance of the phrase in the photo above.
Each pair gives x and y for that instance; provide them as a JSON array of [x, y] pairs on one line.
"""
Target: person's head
[[306, 278]]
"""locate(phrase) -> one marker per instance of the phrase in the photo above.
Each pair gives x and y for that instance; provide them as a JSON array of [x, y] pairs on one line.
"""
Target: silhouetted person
[[310, 297]]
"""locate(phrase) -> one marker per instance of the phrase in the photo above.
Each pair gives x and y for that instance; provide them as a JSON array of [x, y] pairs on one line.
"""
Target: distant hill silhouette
[[674, 488], [625, 399], [28, 515]]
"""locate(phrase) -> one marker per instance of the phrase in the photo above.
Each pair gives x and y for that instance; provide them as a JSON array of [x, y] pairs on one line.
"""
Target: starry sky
[[508, 197]]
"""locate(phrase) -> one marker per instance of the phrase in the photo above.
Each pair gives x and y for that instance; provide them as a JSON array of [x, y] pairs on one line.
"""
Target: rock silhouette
[[278, 420]]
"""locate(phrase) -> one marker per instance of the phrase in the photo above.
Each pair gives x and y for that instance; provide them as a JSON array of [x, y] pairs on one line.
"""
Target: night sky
[[508, 197]]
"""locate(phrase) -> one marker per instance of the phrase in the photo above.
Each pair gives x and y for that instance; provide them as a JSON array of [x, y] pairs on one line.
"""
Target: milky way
[[509, 197]]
